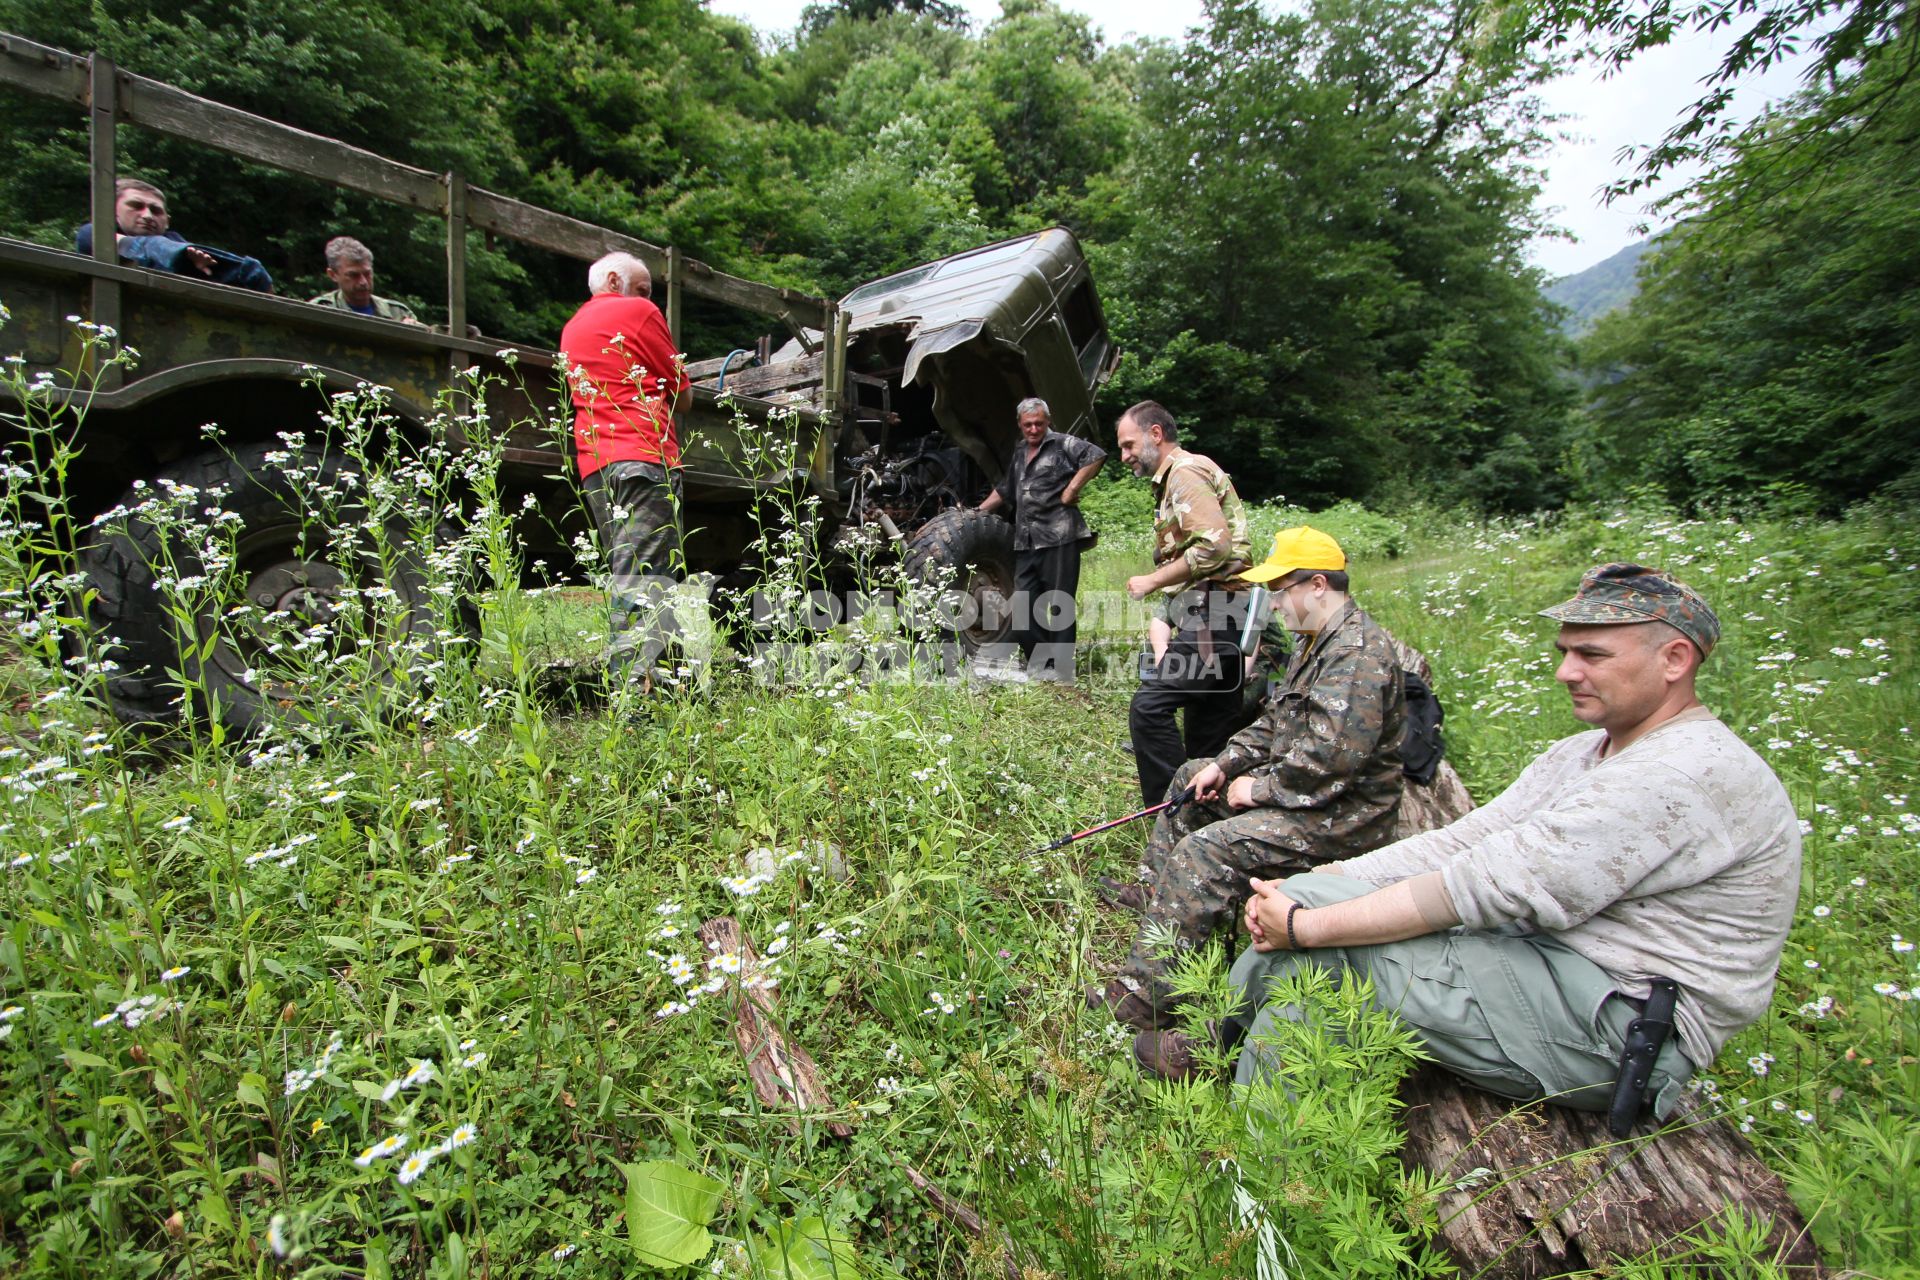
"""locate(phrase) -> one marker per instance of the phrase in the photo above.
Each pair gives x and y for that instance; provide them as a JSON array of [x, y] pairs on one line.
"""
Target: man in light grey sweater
[[1523, 942]]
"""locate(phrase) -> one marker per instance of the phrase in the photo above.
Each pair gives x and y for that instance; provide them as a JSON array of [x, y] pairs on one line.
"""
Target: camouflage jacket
[[383, 308], [1198, 518], [1328, 738], [1033, 488]]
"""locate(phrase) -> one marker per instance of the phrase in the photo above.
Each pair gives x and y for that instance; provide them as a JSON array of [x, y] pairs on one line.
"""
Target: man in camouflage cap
[[1316, 777], [1630, 593], [1635, 877]]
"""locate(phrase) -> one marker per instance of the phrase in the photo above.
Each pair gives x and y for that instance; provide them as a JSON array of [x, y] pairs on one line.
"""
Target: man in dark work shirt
[[1042, 486]]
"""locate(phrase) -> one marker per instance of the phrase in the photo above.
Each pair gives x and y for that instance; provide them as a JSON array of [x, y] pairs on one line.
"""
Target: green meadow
[[413, 986]]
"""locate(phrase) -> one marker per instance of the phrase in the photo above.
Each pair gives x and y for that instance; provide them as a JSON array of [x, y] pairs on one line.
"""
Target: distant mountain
[[1592, 293]]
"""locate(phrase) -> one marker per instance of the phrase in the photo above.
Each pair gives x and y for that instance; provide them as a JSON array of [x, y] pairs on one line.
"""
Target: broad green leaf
[[804, 1249], [81, 1058], [668, 1209], [214, 1210]]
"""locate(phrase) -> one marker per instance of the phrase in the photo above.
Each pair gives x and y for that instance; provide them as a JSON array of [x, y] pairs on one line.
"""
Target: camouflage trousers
[[1198, 861], [636, 509]]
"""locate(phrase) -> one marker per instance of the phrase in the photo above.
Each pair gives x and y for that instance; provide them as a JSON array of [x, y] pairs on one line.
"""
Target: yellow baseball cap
[[1303, 547]]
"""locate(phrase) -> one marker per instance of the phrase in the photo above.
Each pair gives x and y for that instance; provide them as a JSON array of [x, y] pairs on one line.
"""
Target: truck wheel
[[235, 659], [979, 550]]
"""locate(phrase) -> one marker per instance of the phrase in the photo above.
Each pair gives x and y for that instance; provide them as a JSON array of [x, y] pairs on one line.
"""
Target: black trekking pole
[[1172, 802]]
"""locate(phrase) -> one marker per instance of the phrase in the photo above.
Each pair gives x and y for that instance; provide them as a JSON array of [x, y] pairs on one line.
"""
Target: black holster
[[1646, 1035]]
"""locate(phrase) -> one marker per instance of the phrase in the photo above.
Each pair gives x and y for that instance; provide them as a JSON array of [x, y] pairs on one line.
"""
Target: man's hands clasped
[[1266, 917]]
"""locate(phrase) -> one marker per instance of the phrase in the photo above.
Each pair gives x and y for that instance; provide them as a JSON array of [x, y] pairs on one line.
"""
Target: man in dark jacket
[[144, 237], [1316, 778], [1042, 486]]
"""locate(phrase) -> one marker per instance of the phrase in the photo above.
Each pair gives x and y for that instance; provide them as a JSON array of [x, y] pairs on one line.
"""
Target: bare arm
[[1159, 636], [1171, 574], [1407, 909], [992, 502]]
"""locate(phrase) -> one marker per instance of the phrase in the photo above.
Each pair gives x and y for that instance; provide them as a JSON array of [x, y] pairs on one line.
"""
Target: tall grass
[[420, 995]]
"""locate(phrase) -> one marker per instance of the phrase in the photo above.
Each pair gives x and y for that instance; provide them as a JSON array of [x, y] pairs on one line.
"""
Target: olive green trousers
[[1521, 1015]]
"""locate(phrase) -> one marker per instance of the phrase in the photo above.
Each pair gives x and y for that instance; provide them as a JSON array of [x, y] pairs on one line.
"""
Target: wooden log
[[964, 1216], [957, 1212], [1560, 1195], [762, 381], [783, 1074]]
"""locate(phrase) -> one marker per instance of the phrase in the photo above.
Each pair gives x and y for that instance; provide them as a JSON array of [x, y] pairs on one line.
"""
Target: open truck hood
[[987, 328]]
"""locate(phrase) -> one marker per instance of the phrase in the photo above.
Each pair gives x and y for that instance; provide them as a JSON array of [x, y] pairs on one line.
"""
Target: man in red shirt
[[625, 376]]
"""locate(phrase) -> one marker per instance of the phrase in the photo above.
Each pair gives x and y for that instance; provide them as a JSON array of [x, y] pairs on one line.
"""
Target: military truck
[[902, 393]]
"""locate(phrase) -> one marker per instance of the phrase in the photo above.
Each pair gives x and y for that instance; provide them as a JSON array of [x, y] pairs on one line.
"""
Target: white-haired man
[[625, 377], [1044, 478]]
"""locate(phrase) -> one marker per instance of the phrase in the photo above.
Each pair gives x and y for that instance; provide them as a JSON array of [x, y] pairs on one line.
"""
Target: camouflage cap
[[1625, 593]]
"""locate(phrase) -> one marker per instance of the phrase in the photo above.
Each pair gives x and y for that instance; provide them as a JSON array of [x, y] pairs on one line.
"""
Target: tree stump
[[1559, 1194]]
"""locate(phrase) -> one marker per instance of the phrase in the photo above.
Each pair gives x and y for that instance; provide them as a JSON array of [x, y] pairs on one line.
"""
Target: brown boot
[[1131, 896], [1167, 1054], [1126, 1006]]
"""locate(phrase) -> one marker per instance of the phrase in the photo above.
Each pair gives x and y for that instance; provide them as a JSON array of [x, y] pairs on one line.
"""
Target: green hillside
[[1588, 295]]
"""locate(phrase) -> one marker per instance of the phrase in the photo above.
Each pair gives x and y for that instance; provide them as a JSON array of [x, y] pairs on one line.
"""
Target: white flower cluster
[[416, 1164], [473, 1056], [1817, 1008], [282, 854], [135, 1010], [421, 1073], [299, 1081]]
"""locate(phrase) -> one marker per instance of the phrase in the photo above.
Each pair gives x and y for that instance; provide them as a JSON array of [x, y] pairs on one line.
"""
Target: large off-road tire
[[979, 550], [283, 562]]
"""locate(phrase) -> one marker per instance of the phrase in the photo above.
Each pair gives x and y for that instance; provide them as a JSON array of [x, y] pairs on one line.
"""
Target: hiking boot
[[1131, 896], [1170, 1054], [1167, 1054], [1125, 1005]]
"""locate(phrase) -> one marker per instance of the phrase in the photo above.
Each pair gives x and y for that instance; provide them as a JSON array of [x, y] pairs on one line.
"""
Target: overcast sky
[[1603, 116]]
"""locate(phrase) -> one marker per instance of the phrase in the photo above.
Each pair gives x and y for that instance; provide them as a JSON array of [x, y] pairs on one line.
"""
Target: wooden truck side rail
[[191, 334], [113, 96]]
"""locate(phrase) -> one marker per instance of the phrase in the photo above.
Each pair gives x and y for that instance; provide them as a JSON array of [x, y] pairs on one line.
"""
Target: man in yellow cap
[[1316, 778]]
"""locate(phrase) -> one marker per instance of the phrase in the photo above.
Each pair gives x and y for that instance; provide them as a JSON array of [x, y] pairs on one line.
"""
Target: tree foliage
[[1836, 35], [1306, 227], [1322, 267], [1774, 349]]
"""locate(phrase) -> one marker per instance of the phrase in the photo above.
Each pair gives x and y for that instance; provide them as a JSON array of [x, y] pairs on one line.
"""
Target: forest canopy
[[1307, 225]]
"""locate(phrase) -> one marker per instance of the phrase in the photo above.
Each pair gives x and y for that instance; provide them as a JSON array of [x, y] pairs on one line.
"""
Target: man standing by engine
[[1042, 486], [1200, 546], [625, 376]]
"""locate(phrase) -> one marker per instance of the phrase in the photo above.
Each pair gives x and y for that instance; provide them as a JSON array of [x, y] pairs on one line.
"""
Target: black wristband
[[1293, 943]]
